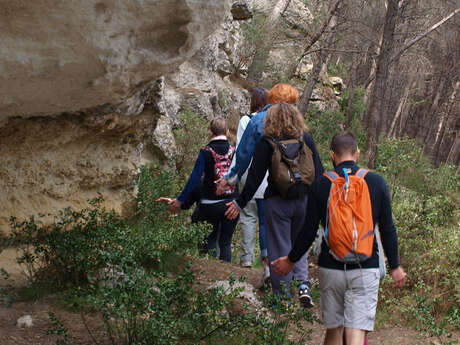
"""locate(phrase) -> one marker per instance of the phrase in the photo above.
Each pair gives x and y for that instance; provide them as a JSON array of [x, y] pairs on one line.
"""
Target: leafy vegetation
[[425, 209]]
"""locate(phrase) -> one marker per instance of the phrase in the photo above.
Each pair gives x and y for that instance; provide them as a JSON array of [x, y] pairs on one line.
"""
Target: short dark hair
[[259, 99], [344, 142], [218, 126]]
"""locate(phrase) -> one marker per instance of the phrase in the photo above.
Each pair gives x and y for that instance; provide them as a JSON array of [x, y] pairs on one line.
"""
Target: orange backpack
[[349, 229]]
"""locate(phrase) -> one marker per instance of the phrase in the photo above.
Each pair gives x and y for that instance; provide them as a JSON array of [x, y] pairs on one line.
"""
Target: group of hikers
[[286, 191]]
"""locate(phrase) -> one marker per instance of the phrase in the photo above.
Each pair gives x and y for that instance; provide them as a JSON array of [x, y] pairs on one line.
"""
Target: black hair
[[259, 99], [344, 142]]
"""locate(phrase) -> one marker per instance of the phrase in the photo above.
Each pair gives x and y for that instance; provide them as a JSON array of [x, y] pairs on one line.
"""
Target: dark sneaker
[[305, 296]]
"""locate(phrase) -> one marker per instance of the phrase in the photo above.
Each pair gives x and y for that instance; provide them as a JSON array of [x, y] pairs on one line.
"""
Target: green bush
[[118, 268], [425, 209], [191, 136]]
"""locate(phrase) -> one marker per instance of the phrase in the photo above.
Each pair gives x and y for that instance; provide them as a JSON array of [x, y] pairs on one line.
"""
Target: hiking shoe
[[247, 264], [265, 281], [266, 274], [305, 296]]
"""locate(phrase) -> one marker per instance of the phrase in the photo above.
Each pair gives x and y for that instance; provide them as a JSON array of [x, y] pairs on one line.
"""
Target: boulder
[[24, 322]]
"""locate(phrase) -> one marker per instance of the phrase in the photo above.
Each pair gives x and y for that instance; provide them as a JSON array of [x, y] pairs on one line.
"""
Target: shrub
[[190, 137], [425, 208]]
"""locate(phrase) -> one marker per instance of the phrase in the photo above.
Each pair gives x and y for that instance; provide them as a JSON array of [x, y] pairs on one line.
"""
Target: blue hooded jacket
[[245, 150]]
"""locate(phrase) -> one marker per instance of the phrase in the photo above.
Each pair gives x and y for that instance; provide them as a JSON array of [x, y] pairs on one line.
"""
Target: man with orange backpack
[[350, 202]]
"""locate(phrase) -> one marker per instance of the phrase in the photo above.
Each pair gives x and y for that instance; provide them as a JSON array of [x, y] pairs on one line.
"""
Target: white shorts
[[349, 298]]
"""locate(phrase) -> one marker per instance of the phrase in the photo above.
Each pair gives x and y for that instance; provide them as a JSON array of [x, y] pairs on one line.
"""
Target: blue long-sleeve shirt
[[247, 145]]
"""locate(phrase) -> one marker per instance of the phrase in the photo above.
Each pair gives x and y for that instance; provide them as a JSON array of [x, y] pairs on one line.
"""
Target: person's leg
[[278, 221], [301, 267], [334, 336], [360, 303], [248, 220], [345, 342], [332, 286], [207, 214], [354, 336], [262, 227], [227, 227], [210, 246], [263, 242]]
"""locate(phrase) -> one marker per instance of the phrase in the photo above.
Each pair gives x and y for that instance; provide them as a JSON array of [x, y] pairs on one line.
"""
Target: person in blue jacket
[[280, 93]]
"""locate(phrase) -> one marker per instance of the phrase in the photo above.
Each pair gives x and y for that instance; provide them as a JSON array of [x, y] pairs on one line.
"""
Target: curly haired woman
[[284, 215]]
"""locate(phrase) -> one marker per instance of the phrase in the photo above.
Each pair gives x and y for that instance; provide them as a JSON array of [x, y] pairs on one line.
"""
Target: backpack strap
[[331, 175], [361, 173], [215, 155]]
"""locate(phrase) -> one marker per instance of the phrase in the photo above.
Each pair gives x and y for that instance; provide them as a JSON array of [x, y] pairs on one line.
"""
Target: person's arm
[[244, 153], [319, 170], [256, 174], [387, 228], [194, 179], [390, 238], [239, 134], [241, 128], [193, 197]]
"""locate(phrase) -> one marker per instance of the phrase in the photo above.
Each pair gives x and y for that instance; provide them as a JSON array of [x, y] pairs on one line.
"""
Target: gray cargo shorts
[[349, 298]]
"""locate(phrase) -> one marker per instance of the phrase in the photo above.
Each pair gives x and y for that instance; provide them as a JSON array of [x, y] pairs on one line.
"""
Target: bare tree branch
[[423, 34]]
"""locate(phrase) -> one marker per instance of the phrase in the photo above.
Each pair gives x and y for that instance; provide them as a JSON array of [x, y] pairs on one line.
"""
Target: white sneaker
[[266, 275], [246, 264]]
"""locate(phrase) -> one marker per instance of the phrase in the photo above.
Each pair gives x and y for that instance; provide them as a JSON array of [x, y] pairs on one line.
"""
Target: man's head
[[344, 148], [283, 93], [218, 126]]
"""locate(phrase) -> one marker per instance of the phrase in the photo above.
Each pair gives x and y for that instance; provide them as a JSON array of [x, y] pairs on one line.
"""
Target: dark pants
[[285, 219], [222, 232]]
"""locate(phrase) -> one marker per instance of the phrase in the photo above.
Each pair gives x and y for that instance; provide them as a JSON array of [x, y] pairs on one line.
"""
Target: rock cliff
[[91, 90], [78, 95]]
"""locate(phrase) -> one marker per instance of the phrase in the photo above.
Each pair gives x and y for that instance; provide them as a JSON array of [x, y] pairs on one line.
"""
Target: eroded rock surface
[[72, 55], [82, 103]]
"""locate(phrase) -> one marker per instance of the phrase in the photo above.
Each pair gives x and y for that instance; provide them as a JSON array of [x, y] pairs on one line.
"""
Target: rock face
[[75, 55], [91, 90], [82, 100]]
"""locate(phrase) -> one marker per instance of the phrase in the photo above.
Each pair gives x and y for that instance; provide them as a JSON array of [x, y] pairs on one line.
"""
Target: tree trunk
[[378, 93], [351, 92], [401, 106], [304, 100], [336, 4], [321, 57], [259, 60], [429, 117], [444, 124]]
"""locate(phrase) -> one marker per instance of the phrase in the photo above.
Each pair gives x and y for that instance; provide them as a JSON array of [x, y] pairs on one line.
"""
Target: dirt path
[[207, 272]]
